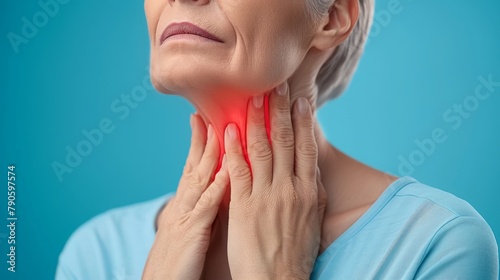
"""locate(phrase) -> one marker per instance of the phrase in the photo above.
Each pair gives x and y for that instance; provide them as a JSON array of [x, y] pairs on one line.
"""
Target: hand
[[184, 226], [277, 205]]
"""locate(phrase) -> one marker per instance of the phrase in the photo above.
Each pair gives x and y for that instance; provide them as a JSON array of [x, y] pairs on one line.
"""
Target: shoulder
[[428, 206], [437, 198], [110, 238], [460, 241], [114, 221]]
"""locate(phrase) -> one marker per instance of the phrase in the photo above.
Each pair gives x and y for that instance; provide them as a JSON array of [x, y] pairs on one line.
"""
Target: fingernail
[[210, 132], [302, 105], [231, 131], [258, 101], [281, 89]]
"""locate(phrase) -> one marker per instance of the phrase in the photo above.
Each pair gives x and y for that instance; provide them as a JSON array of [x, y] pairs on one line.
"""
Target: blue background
[[421, 59]]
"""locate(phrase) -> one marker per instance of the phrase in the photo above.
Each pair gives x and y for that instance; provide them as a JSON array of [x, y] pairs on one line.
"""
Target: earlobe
[[337, 25]]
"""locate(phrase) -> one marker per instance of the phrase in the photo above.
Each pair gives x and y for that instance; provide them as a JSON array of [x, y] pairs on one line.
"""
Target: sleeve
[[71, 264], [81, 257], [463, 248], [63, 273]]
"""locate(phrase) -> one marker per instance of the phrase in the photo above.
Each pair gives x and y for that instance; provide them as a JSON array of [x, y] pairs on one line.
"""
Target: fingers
[[306, 148], [207, 206], [258, 146], [199, 178], [239, 171], [209, 160], [200, 164], [282, 136], [198, 142]]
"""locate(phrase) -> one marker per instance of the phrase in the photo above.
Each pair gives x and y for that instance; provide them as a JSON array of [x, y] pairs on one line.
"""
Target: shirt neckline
[[374, 209], [357, 226]]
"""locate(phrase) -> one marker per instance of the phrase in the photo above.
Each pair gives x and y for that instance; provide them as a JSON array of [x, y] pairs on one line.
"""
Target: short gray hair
[[338, 70]]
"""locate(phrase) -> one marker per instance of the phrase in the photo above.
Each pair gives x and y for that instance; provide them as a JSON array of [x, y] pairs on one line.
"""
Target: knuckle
[[309, 195], [282, 183], [311, 175], [217, 183], [307, 148], [283, 137], [259, 148], [291, 202], [307, 174], [188, 167], [211, 156], [196, 180], [240, 172], [206, 200]]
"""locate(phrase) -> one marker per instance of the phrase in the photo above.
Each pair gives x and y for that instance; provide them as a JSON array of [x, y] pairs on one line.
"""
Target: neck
[[221, 107]]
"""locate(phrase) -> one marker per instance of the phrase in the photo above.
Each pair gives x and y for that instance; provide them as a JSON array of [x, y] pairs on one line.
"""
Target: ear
[[336, 25]]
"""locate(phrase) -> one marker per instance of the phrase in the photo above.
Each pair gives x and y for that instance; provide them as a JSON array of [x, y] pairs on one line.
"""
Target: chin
[[175, 77], [173, 80]]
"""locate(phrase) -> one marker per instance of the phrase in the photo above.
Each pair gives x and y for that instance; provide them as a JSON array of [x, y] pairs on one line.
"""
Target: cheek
[[272, 62], [262, 70], [269, 52]]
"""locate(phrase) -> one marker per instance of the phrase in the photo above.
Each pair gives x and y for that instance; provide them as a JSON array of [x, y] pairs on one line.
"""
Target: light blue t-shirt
[[412, 231]]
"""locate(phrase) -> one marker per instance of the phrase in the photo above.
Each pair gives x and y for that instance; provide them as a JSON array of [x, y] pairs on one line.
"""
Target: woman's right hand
[[184, 226]]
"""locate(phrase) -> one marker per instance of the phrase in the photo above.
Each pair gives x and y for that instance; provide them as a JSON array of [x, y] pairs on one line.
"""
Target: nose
[[193, 2]]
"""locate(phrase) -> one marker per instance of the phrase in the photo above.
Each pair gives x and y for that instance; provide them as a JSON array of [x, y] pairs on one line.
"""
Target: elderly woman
[[263, 194]]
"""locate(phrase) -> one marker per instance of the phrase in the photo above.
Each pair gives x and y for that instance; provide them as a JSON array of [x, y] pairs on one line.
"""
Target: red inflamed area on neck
[[239, 115]]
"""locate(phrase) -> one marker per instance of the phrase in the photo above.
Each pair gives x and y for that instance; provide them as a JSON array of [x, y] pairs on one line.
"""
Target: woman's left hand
[[277, 204]]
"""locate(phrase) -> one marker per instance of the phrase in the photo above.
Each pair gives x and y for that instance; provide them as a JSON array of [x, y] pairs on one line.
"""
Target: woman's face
[[260, 43]]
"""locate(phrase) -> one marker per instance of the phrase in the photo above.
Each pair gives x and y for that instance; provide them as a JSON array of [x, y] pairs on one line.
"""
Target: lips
[[186, 28]]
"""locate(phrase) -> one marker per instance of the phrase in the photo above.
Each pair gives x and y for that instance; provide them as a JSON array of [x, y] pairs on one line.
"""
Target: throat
[[223, 107]]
